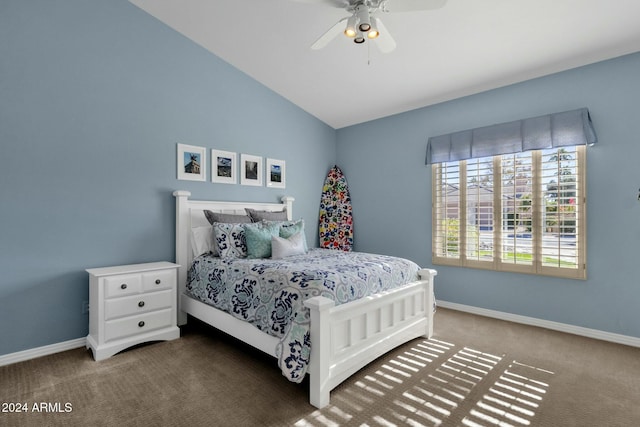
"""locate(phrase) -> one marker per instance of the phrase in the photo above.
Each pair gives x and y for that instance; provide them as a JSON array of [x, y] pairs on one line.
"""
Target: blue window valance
[[537, 133]]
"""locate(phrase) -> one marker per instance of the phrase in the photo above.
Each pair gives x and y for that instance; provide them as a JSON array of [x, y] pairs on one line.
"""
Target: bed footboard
[[347, 337]]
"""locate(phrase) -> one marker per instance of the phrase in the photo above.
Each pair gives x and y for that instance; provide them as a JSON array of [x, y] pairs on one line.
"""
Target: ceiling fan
[[363, 22]]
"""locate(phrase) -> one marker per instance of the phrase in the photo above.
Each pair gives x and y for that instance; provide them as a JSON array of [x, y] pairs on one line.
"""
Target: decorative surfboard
[[336, 214]]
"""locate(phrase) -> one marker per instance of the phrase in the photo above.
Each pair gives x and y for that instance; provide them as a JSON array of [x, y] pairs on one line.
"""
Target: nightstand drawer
[[156, 280], [142, 303], [135, 325], [122, 285]]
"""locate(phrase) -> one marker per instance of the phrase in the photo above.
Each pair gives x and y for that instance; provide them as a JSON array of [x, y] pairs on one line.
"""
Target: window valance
[[552, 130]]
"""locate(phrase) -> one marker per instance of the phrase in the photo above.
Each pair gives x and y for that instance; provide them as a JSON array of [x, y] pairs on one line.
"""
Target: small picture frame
[[250, 170], [276, 173], [224, 167], [192, 162]]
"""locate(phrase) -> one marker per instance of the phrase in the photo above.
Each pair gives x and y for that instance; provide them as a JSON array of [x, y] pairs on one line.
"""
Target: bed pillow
[[213, 217], [258, 237], [202, 241], [289, 228], [230, 240], [282, 248], [257, 216]]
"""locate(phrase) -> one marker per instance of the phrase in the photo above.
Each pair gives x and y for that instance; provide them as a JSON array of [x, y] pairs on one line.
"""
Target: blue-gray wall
[[94, 97], [391, 190]]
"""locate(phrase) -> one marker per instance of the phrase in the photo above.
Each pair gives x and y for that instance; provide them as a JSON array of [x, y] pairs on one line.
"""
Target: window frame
[[537, 227]]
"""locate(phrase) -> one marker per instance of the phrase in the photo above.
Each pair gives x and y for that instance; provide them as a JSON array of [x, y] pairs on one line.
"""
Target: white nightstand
[[131, 304]]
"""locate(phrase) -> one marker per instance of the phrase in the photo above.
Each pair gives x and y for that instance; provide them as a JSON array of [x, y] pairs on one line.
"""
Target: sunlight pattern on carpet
[[513, 399], [433, 383]]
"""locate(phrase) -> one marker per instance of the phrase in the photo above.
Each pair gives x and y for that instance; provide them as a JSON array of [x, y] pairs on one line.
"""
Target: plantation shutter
[[446, 217], [479, 208], [517, 208], [521, 212], [562, 216]]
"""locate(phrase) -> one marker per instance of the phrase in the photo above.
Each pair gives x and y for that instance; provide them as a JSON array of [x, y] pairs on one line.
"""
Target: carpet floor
[[475, 371]]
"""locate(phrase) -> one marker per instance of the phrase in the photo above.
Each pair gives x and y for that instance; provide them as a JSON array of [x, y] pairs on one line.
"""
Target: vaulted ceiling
[[462, 48]]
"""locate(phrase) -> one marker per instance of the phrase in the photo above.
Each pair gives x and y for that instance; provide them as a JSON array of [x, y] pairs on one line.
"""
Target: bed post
[[288, 202], [182, 239], [428, 275], [320, 360]]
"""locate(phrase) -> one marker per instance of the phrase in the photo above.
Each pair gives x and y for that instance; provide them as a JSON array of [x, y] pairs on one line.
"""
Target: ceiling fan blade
[[333, 3], [324, 39], [385, 42], [413, 5]]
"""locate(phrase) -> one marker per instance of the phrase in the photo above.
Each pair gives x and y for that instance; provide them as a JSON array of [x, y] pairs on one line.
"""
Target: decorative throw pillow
[[289, 228], [202, 241], [230, 240], [226, 218], [257, 216], [258, 237], [282, 248]]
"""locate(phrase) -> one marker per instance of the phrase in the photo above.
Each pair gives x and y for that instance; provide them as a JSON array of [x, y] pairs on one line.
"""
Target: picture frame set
[[225, 169]]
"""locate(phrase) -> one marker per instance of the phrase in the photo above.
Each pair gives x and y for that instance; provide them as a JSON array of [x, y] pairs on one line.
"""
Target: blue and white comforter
[[269, 293]]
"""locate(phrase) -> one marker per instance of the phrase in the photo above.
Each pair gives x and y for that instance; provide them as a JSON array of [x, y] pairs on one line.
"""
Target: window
[[512, 196], [521, 212]]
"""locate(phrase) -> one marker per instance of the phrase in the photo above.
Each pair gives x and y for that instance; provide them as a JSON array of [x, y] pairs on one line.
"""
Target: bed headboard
[[190, 213]]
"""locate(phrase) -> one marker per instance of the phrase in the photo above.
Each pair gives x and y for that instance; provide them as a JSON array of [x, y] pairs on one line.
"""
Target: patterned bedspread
[[269, 293]]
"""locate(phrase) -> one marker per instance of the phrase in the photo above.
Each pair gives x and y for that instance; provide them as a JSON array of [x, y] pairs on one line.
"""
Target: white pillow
[[202, 241], [282, 248]]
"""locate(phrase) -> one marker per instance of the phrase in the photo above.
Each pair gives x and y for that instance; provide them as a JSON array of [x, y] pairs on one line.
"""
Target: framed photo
[[192, 162], [224, 165], [250, 170], [276, 173]]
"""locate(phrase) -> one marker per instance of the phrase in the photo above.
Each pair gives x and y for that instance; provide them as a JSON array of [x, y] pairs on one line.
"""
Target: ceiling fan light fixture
[[359, 38], [373, 31], [364, 23], [350, 30]]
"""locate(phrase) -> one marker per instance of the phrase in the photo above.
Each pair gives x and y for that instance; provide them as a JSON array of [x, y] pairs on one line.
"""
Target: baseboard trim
[[33, 353], [532, 321]]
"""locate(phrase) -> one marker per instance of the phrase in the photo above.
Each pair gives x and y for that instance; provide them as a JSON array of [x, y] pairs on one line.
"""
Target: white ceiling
[[465, 47]]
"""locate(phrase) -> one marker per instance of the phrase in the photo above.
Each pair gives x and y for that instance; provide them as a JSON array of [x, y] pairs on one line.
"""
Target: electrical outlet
[[85, 307]]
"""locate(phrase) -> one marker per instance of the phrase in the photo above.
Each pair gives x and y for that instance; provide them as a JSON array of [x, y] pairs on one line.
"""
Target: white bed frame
[[344, 338]]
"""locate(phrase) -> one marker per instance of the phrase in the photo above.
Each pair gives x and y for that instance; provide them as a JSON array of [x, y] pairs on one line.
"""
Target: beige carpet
[[475, 372]]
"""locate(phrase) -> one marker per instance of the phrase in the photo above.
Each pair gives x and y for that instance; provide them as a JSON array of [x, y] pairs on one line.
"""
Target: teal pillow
[[289, 228], [258, 236]]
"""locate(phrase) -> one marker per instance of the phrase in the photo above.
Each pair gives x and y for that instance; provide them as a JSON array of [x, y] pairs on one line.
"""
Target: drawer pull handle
[[157, 281], [141, 323], [141, 304], [123, 286]]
